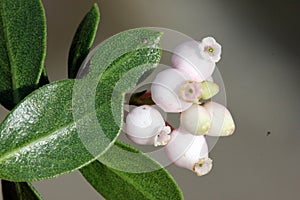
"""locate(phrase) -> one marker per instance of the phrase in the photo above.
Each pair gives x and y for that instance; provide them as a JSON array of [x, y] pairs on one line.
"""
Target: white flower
[[188, 59], [189, 151], [195, 120], [210, 49], [173, 91], [191, 91], [222, 123], [165, 91], [145, 125]]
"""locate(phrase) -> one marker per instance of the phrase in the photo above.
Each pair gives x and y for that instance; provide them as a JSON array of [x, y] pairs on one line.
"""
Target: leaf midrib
[[140, 189], [9, 56], [33, 142], [10, 154]]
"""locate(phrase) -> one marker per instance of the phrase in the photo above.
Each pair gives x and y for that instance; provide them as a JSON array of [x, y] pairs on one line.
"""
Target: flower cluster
[[184, 88]]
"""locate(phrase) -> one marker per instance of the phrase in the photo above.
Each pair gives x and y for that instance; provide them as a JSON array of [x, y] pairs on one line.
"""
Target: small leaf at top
[[83, 40], [22, 49], [19, 191], [65, 125], [115, 178]]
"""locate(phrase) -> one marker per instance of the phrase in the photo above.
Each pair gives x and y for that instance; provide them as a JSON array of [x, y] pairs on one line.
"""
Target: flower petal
[[187, 58]]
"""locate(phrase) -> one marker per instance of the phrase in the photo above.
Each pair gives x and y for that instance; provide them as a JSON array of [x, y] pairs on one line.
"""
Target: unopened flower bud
[[196, 120], [209, 89], [188, 59], [189, 151], [222, 123], [145, 126]]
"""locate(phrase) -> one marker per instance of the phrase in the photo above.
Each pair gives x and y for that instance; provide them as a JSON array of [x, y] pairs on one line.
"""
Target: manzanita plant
[[59, 127]]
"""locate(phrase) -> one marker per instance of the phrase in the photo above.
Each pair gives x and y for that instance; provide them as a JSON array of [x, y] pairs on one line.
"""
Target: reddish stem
[[144, 99]]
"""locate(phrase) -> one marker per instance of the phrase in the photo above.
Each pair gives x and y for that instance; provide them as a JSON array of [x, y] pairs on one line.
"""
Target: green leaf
[[38, 138], [67, 124], [83, 40], [22, 48], [19, 191], [113, 181]]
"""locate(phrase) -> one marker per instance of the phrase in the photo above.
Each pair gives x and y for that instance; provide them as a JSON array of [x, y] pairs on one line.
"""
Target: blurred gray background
[[260, 67]]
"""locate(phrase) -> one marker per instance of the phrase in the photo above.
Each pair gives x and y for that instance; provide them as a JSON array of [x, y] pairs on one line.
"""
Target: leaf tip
[[95, 9]]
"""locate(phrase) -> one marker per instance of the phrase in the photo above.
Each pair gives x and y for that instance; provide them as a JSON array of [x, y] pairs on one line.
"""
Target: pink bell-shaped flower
[[145, 126], [189, 151]]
